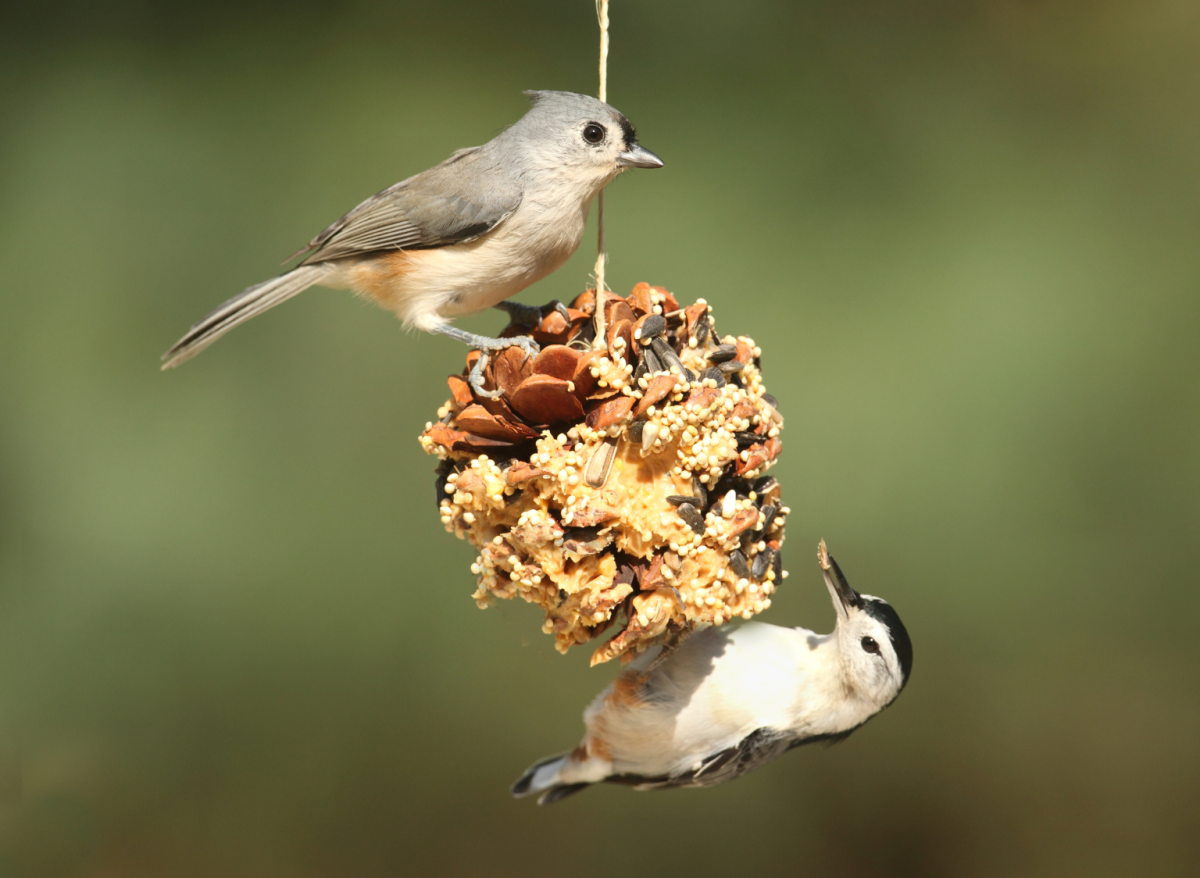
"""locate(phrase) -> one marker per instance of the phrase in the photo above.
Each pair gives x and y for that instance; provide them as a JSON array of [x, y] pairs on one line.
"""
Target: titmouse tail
[[242, 307], [544, 778]]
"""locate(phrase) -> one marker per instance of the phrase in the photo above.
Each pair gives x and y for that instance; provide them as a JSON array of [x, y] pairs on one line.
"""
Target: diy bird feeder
[[619, 484]]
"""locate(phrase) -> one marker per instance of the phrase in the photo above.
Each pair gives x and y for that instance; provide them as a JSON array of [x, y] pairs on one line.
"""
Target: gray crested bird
[[465, 234], [725, 701]]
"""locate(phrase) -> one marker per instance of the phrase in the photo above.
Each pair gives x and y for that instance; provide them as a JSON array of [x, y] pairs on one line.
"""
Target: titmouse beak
[[844, 597], [638, 157]]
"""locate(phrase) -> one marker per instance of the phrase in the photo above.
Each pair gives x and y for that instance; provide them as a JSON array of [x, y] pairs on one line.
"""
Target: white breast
[[715, 690]]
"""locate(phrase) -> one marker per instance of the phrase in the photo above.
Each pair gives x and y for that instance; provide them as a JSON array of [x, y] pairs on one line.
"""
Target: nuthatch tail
[[464, 235], [727, 701]]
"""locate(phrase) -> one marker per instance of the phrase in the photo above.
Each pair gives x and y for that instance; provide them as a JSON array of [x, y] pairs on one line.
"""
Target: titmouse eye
[[869, 645], [593, 132]]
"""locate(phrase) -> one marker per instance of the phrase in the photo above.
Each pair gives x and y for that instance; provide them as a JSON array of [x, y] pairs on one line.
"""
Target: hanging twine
[[602, 16]]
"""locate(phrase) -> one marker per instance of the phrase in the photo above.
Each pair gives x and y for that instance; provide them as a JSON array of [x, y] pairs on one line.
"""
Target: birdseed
[[586, 485]]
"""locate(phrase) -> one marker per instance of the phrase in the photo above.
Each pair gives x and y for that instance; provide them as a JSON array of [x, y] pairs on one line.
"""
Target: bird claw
[[524, 342], [484, 345], [476, 377]]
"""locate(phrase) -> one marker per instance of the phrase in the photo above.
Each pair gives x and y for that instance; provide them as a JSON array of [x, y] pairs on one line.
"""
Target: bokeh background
[[234, 638]]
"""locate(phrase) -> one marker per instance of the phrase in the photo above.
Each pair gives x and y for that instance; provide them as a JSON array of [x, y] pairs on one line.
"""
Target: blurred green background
[[235, 638]]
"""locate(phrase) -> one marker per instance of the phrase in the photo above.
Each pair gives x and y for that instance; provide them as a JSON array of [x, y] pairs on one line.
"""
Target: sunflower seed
[[768, 490], [666, 354], [746, 438], [642, 370], [595, 474], [771, 401], [715, 374], [777, 566], [722, 353], [680, 499], [651, 361], [442, 485], [654, 326], [768, 512], [701, 494], [737, 561], [731, 367], [701, 330], [691, 517], [762, 563], [635, 432]]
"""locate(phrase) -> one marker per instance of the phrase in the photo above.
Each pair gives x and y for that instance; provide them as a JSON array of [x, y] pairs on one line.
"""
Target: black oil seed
[[667, 356], [700, 492], [715, 374], [768, 512], [771, 401], [692, 517], [443, 494], [654, 326], [746, 438], [767, 488], [680, 499], [737, 561], [777, 566], [635, 432], [762, 563], [731, 367], [722, 353], [701, 333], [651, 361]]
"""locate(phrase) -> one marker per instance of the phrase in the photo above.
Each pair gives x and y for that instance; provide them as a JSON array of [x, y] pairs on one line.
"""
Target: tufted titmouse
[[727, 701], [465, 234]]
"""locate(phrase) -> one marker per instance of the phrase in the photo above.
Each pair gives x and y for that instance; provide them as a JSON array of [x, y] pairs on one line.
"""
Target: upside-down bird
[[727, 701]]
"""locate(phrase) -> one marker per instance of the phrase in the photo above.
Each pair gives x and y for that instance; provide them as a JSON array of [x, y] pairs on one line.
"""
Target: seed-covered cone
[[617, 482]]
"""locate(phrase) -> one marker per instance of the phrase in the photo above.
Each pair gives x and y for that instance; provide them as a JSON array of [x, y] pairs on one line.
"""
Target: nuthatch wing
[[465, 234], [727, 701]]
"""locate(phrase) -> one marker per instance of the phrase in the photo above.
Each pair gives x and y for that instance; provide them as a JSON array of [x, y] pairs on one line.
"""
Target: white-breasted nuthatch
[[727, 701], [465, 234]]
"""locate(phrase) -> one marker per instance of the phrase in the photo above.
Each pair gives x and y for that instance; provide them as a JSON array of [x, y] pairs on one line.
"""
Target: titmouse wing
[[456, 201]]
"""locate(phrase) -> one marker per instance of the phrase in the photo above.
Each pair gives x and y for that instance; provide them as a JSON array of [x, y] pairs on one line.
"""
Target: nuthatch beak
[[844, 597]]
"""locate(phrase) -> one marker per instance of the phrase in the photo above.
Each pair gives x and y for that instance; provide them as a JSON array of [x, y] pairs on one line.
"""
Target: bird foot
[[486, 345], [531, 315]]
